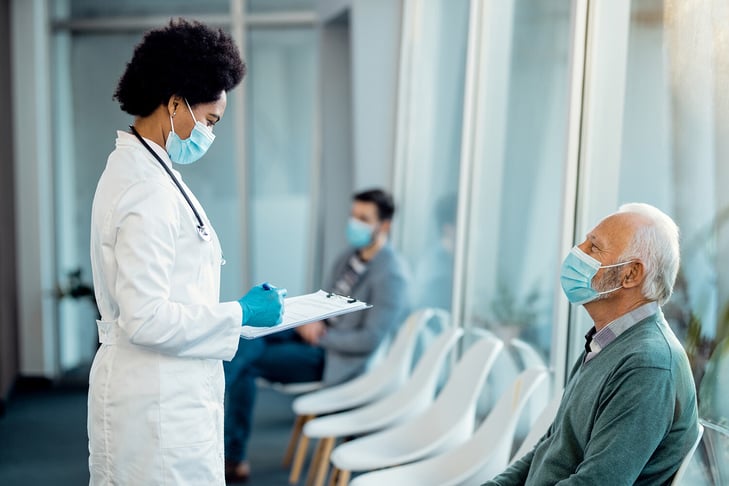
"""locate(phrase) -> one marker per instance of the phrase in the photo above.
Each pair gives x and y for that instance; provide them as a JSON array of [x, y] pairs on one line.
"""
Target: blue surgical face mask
[[359, 234], [192, 148], [578, 270]]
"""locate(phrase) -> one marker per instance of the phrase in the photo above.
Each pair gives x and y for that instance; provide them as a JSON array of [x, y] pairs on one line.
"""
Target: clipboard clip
[[348, 299]]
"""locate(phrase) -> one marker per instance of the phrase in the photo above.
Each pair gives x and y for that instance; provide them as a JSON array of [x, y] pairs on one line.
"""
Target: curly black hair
[[185, 58]]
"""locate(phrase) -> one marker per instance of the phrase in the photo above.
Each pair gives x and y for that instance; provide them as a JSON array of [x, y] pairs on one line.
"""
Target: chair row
[[400, 417]]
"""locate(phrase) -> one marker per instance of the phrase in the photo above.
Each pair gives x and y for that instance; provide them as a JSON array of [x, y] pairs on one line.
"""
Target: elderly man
[[628, 414]]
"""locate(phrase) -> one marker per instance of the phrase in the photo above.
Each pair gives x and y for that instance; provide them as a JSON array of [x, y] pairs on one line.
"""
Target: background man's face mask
[[192, 148], [578, 270], [359, 234]]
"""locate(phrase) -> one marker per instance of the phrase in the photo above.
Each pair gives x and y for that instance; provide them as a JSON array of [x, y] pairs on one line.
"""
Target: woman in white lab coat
[[155, 408]]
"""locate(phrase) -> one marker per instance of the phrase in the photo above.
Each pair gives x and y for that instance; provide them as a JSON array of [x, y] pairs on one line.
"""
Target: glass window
[[281, 89], [512, 262], [432, 138], [673, 156]]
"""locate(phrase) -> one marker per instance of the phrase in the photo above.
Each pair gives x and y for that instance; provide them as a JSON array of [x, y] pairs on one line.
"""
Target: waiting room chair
[[308, 387], [482, 456], [448, 422], [678, 477], [380, 381], [408, 401], [539, 427], [528, 357]]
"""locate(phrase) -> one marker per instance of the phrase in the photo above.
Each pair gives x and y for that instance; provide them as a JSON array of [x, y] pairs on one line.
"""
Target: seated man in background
[[628, 414], [334, 350]]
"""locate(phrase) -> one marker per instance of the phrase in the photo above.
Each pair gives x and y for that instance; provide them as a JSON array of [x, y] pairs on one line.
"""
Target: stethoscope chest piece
[[203, 233]]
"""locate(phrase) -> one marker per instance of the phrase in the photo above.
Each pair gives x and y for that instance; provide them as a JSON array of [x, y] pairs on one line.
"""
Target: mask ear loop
[[191, 113], [611, 266]]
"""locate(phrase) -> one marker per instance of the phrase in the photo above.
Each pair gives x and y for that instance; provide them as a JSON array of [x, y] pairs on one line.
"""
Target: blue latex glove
[[262, 305]]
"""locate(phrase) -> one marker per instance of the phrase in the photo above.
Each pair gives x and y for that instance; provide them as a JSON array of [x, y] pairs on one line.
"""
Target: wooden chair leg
[[322, 465], [295, 435], [299, 460], [343, 477], [314, 462], [333, 476]]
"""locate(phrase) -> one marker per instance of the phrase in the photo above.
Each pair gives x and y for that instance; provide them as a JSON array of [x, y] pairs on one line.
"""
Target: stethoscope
[[202, 230]]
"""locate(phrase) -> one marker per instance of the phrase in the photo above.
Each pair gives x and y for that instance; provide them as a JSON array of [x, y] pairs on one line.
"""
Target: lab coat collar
[[126, 139]]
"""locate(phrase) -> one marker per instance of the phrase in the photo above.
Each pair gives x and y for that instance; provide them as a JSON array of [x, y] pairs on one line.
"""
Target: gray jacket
[[356, 336]]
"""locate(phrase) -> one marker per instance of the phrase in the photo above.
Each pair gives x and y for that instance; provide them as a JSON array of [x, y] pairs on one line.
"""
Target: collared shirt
[[350, 276], [609, 333]]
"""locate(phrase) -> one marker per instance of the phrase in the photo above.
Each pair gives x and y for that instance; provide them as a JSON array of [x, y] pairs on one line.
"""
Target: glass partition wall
[[481, 154], [516, 186], [257, 171], [429, 157], [567, 110]]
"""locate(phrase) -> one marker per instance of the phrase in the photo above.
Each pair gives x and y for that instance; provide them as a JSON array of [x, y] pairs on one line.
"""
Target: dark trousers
[[282, 358]]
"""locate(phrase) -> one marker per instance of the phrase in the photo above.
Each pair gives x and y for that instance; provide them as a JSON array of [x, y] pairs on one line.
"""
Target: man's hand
[[312, 332]]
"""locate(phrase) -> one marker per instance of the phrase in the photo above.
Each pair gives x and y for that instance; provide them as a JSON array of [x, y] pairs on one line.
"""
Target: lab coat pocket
[[186, 417]]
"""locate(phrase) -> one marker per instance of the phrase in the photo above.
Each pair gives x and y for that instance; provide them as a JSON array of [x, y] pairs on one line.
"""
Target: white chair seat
[[406, 402], [446, 423], [479, 458], [381, 380]]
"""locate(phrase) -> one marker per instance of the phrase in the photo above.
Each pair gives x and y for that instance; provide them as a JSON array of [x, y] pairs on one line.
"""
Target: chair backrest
[[528, 357], [478, 458], [382, 379], [539, 427], [446, 423], [399, 357], [678, 477], [496, 383], [490, 446], [440, 320]]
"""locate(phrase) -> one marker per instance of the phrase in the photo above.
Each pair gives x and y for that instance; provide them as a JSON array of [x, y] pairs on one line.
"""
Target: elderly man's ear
[[635, 275]]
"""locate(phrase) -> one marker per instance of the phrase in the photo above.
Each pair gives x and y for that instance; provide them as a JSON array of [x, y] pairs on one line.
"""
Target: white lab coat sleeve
[[148, 222]]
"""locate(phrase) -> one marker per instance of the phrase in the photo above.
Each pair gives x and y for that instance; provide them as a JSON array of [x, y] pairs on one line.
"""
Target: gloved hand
[[262, 305]]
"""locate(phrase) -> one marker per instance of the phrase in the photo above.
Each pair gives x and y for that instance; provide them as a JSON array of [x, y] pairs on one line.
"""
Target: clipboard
[[306, 308]]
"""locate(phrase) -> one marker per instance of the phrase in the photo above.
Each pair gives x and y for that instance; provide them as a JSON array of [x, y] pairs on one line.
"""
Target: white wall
[[375, 41]]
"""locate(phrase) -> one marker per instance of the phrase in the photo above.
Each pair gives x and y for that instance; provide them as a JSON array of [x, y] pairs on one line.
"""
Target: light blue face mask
[[187, 151], [359, 234], [578, 270]]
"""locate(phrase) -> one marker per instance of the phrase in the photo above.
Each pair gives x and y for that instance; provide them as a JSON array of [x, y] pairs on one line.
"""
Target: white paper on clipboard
[[306, 308]]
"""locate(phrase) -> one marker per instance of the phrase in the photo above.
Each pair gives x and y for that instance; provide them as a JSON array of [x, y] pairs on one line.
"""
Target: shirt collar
[[610, 333]]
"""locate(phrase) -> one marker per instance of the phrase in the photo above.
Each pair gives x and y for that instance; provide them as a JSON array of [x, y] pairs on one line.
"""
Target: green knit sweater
[[628, 416]]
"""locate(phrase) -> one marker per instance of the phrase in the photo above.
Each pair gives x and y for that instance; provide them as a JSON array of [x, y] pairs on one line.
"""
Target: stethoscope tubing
[[201, 229]]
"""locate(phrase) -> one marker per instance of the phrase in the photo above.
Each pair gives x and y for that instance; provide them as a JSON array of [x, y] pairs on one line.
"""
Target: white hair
[[656, 245]]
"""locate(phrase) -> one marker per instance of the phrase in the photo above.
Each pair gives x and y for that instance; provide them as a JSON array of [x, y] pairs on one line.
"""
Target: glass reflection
[[513, 254], [437, 66]]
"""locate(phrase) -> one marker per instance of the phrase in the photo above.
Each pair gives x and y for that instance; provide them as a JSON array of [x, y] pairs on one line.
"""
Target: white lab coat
[[156, 387]]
